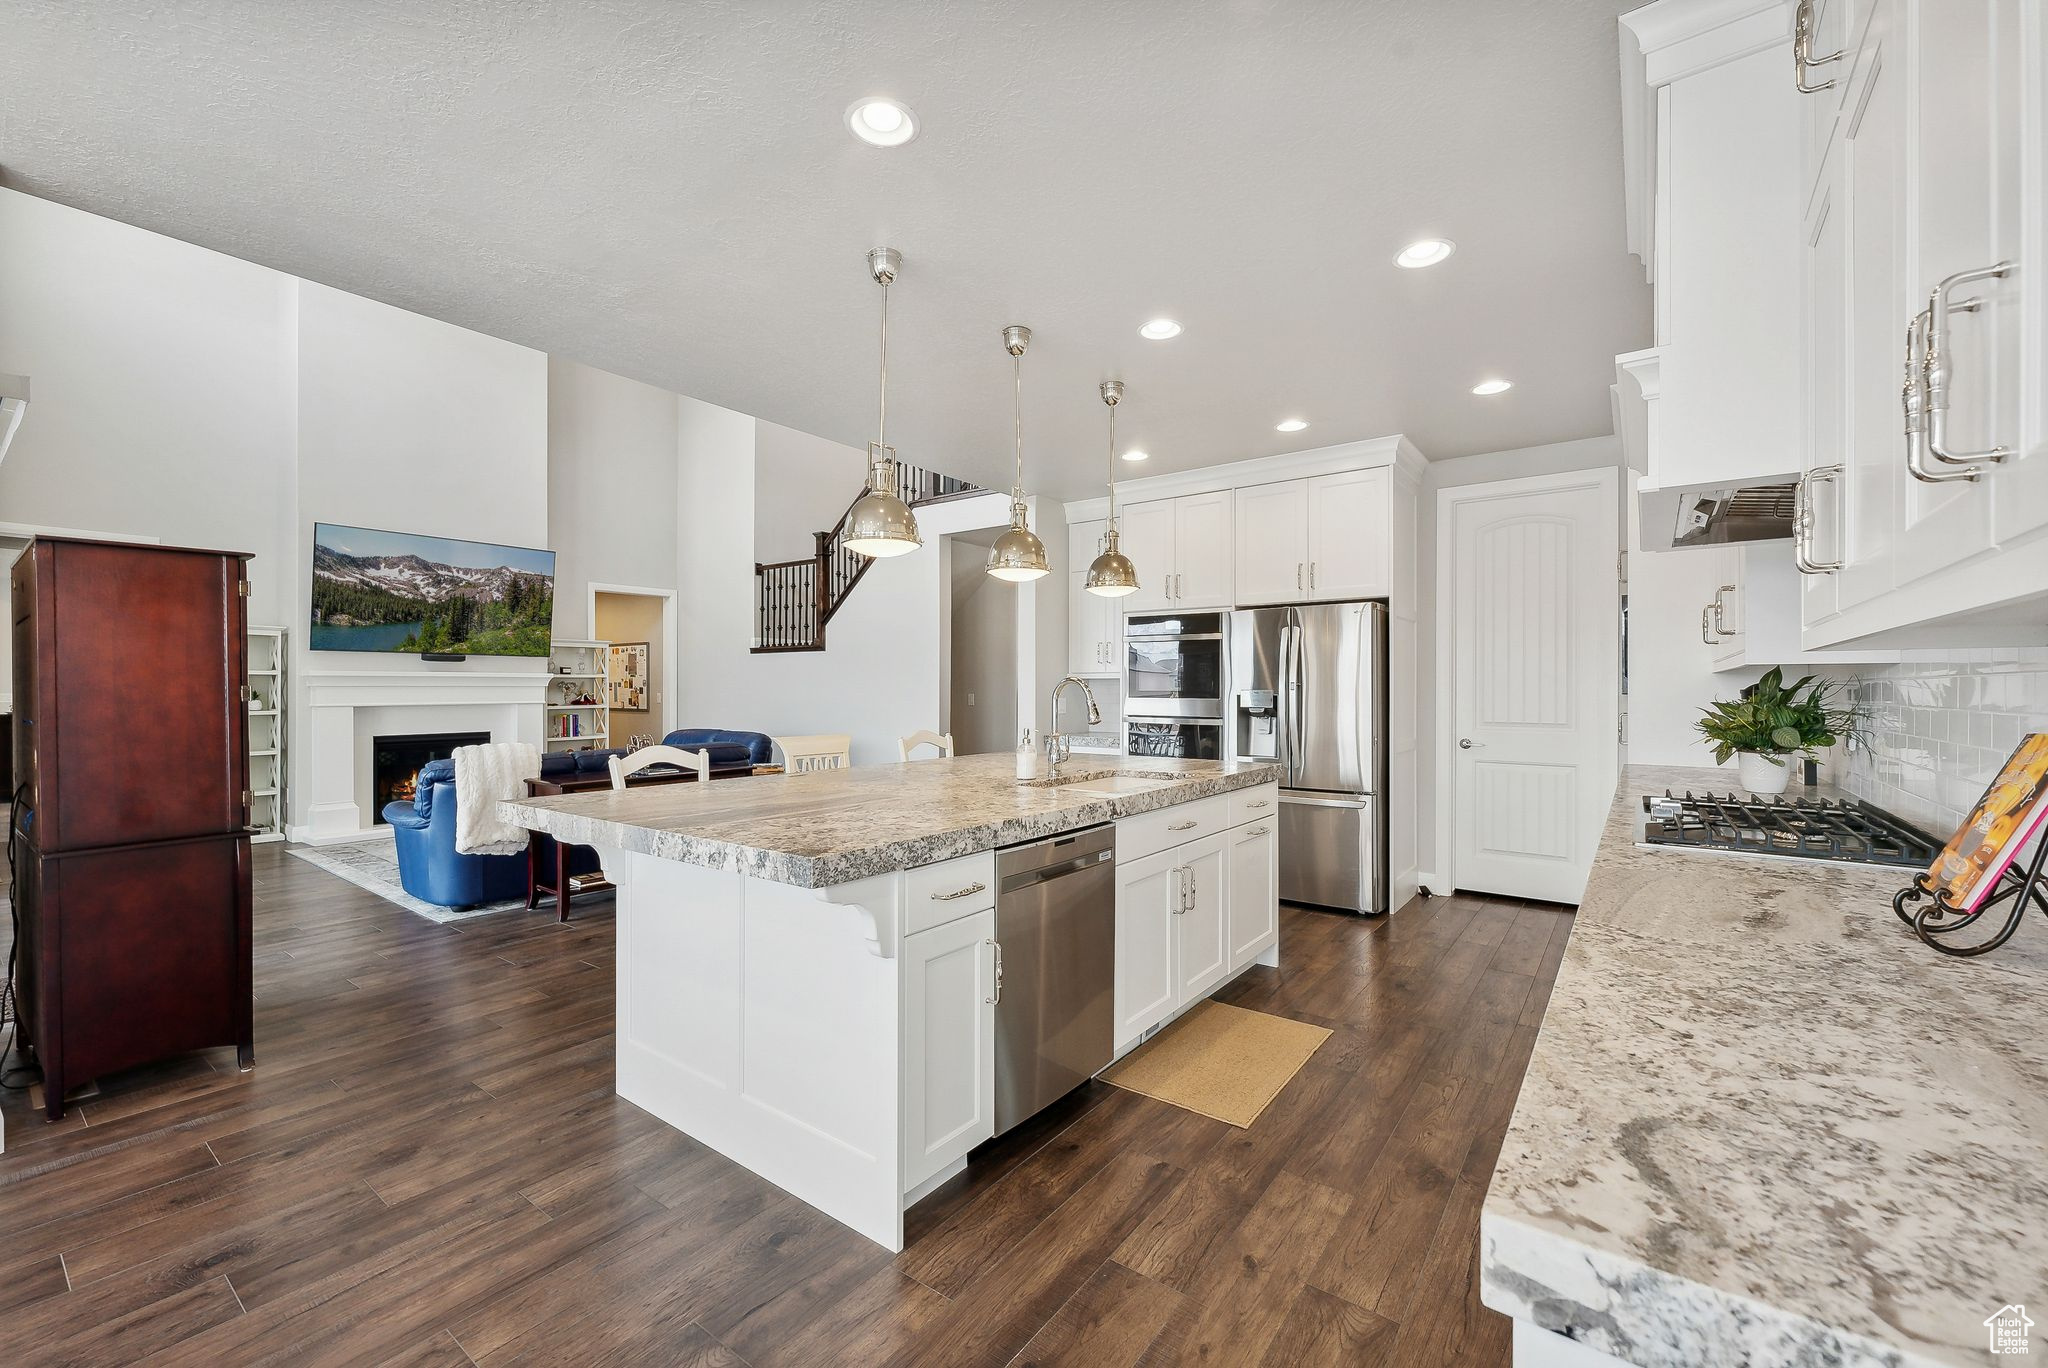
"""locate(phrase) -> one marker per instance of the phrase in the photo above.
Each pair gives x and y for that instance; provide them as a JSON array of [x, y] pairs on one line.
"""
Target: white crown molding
[[1396, 451]]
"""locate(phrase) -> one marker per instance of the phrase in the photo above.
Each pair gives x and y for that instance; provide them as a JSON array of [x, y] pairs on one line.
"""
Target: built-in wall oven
[[1175, 681]]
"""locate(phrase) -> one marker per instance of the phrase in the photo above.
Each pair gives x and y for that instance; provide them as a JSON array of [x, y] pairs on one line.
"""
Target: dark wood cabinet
[[131, 761]]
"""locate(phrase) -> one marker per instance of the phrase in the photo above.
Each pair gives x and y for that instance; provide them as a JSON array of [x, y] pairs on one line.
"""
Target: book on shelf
[[2002, 824]]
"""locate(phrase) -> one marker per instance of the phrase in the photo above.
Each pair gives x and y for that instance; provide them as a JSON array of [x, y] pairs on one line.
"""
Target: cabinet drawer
[[937, 894], [1139, 836], [1246, 804]]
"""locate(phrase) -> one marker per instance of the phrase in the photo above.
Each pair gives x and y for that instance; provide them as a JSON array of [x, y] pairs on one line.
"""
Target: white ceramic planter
[[1759, 775]]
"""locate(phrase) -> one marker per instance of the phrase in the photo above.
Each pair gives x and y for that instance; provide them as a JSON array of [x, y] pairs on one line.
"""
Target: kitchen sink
[[1106, 781]]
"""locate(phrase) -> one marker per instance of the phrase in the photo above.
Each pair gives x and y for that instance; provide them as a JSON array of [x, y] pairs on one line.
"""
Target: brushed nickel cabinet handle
[[1184, 826], [1259, 831], [1939, 368], [1707, 627], [1254, 807], [997, 996], [966, 892], [1802, 52]]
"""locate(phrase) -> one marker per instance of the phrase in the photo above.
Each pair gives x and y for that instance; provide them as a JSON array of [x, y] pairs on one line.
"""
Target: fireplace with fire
[[395, 762]]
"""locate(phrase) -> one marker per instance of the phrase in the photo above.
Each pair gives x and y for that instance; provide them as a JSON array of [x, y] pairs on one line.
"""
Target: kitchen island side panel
[[756, 1018]]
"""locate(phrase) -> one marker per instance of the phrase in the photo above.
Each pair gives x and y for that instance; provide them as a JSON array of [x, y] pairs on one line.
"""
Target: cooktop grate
[[1798, 828]]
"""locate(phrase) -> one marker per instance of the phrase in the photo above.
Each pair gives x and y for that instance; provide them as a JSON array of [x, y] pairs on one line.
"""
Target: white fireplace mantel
[[345, 709]]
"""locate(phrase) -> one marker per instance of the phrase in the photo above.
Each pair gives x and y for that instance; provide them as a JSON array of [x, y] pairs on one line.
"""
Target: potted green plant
[[1770, 721]]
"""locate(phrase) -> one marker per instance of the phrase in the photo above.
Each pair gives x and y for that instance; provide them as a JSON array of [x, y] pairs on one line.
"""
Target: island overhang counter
[[806, 963]]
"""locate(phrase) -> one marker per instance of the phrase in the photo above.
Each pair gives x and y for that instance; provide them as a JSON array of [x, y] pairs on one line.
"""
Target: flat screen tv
[[416, 595]]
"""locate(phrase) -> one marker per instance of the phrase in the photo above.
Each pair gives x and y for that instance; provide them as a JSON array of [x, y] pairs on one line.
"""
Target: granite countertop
[[833, 826], [1764, 1125]]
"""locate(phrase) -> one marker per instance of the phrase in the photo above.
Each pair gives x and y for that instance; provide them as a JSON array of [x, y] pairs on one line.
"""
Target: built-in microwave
[[1175, 738], [1175, 664]]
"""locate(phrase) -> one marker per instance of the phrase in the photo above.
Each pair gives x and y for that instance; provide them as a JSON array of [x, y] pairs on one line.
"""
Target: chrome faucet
[[1057, 749]]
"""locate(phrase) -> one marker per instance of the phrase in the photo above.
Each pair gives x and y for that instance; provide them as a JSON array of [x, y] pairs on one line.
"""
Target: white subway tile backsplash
[[1939, 725]]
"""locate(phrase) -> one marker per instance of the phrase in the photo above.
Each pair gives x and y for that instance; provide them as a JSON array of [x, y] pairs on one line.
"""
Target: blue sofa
[[433, 871]]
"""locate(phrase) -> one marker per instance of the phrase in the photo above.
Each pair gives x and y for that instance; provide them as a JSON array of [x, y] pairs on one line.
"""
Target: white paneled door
[[1529, 578]]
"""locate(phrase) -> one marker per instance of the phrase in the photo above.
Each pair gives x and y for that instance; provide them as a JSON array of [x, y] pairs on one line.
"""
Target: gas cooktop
[[1798, 828]]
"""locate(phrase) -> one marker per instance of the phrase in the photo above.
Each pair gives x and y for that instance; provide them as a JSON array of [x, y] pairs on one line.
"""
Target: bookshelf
[[268, 699], [575, 673]]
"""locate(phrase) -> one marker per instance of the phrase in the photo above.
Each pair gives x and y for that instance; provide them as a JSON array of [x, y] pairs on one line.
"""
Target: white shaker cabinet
[[1753, 618], [1182, 551], [1193, 914], [949, 1084], [1201, 937], [1145, 531], [1148, 896], [1320, 538], [1350, 552], [1093, 621], [1272, 542], [1926, 181], [1254, 900]]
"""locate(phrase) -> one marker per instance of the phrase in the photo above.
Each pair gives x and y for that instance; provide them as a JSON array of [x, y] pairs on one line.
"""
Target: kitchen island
[[807, 963], [1763, 1124]]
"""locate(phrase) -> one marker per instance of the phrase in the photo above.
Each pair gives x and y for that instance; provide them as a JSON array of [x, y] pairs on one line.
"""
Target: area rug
[[373, 867], [1220, 1061]]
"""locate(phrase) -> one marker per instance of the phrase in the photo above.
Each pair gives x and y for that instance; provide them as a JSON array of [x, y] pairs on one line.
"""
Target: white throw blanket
[[484, 777]]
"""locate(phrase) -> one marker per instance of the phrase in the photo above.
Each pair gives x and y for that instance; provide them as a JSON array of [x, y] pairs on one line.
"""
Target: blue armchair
[[432, 870]]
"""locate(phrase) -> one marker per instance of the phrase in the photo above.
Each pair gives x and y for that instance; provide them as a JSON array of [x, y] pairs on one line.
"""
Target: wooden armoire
[[131, 806]]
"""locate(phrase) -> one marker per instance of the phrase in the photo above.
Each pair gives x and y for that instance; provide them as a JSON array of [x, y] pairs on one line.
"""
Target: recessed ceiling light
[[1135, 455], [1289, 425], [1159, 329], [881, 121], [1427, 252], [1493, 387]]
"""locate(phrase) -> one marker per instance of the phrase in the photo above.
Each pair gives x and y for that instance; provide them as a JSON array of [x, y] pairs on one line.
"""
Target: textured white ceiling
[[668, 191]]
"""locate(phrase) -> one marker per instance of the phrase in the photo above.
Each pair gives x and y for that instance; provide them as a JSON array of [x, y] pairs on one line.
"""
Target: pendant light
[[1018, 554], [880, 523], [1112, 575]]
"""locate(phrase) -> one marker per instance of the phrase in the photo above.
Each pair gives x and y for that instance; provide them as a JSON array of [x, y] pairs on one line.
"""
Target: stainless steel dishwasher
[[1055, 968]]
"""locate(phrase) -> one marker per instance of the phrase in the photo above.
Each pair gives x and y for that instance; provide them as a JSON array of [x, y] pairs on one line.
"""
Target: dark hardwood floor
[[428, 1166]]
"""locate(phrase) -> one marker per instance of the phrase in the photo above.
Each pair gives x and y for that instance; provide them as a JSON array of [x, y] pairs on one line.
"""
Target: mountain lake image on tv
[[410, 594]]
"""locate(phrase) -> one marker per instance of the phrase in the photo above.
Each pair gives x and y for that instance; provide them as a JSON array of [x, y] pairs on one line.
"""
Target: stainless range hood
[[1678, 519], [13, 403]]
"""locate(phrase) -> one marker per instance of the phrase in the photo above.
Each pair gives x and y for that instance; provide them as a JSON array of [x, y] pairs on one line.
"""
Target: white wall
[[982, 682], [611, 487], [163, 391], [801, 486], [1553, 458], [879, 678]]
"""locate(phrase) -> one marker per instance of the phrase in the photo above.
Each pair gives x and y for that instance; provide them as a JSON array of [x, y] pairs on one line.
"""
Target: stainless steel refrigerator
[[1309, 690]]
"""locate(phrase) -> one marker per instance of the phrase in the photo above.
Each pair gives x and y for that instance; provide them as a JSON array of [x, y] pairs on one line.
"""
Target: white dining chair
[[942, 742], [803, 754], [624, 767]]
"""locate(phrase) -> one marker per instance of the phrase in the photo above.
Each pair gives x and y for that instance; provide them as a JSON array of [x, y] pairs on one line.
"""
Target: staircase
[[795, 600]]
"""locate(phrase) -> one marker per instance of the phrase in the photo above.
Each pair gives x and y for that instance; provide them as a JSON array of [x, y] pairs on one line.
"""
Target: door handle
[[996, 948], [1467, 743], [966, 892], [1254, 807], [1311, 577], [1802, 52], [1258, 831], [1180, 891], [1184, 826], [1938, 367], [1297, 577]]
